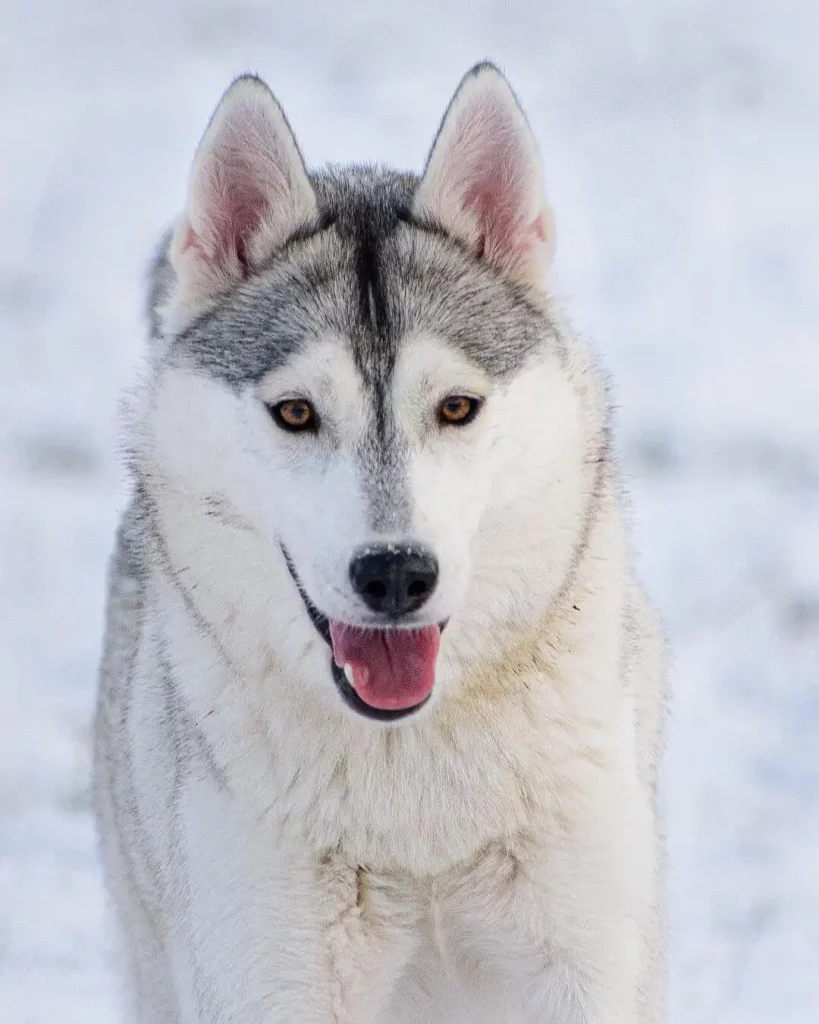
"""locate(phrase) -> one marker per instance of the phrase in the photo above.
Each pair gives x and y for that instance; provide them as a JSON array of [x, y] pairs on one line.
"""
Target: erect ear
[[248, 192], [483, 180]]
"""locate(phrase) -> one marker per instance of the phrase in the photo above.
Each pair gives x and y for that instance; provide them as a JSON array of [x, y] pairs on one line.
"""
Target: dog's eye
[[294, 414], [458, 410]]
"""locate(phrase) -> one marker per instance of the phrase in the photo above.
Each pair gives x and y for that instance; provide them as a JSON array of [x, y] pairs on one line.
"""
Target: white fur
[[276, 858]]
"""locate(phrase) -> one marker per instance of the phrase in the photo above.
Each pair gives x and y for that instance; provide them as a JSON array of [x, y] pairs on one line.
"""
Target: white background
[[681, 147]]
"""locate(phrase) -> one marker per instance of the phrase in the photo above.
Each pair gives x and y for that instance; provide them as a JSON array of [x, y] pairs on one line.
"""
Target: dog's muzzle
[[345, 687]]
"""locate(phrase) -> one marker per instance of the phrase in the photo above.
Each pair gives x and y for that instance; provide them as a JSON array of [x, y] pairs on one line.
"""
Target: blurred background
[[681, 145]]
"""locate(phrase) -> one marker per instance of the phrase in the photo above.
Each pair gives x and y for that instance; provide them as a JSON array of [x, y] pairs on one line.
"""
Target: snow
[[682, 158]]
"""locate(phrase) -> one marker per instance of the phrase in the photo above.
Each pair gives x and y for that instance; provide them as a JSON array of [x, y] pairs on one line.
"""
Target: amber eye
[[294, 414], [458, 410]]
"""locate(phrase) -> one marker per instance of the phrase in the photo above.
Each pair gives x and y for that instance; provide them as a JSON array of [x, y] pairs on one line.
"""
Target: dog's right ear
[[248, 192]]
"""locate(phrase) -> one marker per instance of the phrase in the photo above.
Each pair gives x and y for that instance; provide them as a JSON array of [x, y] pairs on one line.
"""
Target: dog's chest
[[414, 801], [439, 921]]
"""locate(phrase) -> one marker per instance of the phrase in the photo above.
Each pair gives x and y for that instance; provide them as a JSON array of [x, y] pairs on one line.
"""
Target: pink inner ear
[[497, 202], [233, 207], [244, 208], [495, 212], [496, 168]]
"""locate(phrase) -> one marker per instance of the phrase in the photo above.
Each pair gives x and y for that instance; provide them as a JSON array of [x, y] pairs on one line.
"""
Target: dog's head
[[359, 376]]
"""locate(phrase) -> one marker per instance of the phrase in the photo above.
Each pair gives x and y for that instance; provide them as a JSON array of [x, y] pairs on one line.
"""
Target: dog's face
[[361, 376]]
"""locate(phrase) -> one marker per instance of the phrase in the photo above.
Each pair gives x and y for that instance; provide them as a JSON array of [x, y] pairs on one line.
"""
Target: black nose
[[394, 580]]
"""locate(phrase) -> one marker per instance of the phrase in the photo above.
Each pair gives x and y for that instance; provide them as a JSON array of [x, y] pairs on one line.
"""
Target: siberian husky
[[380, 702]]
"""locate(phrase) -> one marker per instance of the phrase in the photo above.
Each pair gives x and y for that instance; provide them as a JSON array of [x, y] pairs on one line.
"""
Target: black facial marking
[[370, 295], [375, 342]]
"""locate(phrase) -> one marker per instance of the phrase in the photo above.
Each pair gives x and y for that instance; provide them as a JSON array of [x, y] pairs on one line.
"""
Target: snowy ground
[[682, 155]]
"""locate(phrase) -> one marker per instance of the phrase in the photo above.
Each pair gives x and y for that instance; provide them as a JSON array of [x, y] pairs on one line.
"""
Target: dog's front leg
[[565, 929], [266, 935]]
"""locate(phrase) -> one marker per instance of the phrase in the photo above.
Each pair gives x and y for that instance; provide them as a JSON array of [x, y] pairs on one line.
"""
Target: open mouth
[[383, 674]]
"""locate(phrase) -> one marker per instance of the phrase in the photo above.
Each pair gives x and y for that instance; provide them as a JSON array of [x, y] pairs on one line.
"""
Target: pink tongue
[[392, 668]]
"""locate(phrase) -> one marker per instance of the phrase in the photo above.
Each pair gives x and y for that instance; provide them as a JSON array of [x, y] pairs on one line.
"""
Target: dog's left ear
[[483, 180]]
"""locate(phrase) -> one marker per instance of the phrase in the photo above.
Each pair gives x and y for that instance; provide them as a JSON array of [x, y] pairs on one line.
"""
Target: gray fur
[[371, 274], [273, 857]]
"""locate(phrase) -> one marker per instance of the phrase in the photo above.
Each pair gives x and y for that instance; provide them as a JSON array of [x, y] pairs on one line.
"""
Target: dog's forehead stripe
[[369, 273], [364, 221]]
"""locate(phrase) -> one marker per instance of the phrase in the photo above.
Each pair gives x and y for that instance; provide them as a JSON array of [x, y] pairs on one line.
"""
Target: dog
[[381, 701]]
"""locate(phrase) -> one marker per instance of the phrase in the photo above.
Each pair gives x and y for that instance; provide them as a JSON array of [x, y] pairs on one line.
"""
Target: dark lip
[[348, 694]]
